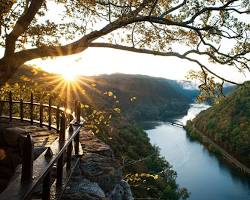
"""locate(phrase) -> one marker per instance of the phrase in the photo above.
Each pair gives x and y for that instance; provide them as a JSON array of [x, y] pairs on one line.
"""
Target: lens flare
[[69, 76]]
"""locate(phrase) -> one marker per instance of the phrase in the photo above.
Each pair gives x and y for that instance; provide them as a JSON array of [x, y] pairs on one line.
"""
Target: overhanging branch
[[158, 53]]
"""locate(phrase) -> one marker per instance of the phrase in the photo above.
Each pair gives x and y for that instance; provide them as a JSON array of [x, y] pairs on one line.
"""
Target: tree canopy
[[189, 29]]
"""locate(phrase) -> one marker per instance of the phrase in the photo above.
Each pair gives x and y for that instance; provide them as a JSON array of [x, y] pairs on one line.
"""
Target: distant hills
[[146, 98], [228, 123], [140, 97]]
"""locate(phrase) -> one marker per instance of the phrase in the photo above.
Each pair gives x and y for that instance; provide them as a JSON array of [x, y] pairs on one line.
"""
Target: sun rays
[[70, 87]]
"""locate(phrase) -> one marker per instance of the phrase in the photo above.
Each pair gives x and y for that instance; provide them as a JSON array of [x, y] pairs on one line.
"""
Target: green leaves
[[210, 89]]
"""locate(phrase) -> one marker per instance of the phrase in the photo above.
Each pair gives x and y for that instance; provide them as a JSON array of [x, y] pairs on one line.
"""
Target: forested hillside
[[145, 98], [228, 123], [139, 97]]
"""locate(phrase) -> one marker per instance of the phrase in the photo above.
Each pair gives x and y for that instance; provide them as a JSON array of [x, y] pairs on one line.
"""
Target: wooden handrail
[[24, 183], [51, 109]]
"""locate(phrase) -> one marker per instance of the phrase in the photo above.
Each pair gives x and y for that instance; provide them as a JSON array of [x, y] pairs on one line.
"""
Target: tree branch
[[21, 25], [158, 53], [209, 9], [173, 9]]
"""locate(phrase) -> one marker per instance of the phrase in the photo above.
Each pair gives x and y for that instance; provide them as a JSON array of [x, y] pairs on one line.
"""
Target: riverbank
[[215, 148], [203, 173]]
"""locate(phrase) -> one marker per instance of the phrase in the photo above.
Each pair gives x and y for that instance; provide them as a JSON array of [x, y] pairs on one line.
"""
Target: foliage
[[210, 90], [150, 177], [95, 120], [149, 174], [227, 123], [32, 29], [143, 97]]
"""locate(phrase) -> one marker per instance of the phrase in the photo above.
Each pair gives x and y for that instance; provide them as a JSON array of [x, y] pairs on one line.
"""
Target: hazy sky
[[96, 61]]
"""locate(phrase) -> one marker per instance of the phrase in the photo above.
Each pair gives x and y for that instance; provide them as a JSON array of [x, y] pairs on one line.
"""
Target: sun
[[68, 76]]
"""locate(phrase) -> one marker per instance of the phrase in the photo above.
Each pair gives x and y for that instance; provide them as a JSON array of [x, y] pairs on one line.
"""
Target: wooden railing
[[62, 154], [53, 112]]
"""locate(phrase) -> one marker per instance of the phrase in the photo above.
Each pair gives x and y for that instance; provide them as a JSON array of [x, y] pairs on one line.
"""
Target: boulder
[[85, 186], [122, 191], [81, 188], [99, 174], [92, 144], [105, 171]]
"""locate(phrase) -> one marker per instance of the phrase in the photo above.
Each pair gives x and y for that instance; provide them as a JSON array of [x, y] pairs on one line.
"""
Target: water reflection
[[205, 176]]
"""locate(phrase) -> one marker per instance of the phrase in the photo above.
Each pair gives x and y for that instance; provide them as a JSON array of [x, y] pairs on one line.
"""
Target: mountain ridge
[[140, 97]]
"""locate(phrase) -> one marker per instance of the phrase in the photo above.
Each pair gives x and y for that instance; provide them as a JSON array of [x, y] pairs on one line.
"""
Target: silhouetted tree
[[216, 29]]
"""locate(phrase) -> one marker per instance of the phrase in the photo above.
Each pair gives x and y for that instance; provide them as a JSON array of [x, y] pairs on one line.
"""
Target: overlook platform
[[98, 174], [41, 136], [45, 153], [10, 153]]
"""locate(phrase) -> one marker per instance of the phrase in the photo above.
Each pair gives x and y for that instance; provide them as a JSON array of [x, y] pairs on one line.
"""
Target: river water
[[201, 172]]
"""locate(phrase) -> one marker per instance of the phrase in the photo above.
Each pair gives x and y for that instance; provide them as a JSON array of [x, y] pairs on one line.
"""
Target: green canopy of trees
[[228, 123]]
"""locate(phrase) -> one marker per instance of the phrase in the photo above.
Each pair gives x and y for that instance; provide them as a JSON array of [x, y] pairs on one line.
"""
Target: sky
[[95, 61]]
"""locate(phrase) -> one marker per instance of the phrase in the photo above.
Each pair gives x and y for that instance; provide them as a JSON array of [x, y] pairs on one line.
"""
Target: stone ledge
[[99, 175]]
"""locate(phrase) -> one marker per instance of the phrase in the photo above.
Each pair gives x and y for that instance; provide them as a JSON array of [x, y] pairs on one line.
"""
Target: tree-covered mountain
[[145, 98], [139, 97], [228, 123]]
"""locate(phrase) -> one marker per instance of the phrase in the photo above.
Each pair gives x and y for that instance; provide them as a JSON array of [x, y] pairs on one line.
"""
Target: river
[[201, 172]]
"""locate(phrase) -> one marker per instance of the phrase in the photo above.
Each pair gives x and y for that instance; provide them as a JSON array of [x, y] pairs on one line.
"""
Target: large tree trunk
[[8, 67]]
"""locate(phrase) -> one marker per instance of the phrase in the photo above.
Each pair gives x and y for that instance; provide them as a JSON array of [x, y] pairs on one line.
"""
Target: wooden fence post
[[59, 168], [78, 116], [57, 118], [41, 114], [69, 156], [1, 108], [77, 140], [31, 107], [21, 109], [62, 128], [27, 161], [69, 149], [46, 187], [10, 106], [50, 102], [76, 102]]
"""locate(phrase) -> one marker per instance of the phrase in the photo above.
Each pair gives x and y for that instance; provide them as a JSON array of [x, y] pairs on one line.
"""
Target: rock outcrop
[[99, 174]]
